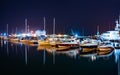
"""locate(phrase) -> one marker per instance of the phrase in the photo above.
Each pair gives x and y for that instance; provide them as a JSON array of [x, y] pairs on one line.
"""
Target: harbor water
[[19, 59]]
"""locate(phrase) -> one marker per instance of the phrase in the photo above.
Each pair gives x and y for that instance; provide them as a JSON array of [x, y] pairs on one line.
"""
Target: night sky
[[71, 15]]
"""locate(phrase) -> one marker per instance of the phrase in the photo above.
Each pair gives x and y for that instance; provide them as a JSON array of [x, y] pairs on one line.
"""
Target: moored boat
[[105, 48], [69, 42], [43, 43]]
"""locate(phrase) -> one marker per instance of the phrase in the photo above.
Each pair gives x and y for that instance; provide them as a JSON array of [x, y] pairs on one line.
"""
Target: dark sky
[[76, 15]]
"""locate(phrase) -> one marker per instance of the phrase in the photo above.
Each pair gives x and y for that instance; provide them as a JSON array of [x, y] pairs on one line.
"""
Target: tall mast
[[54, 26], [7, 29], [25, 25], [44, 23], [16, 30], [82, 31], [119, 19], [98, 30], [28, 28], [109, 26]]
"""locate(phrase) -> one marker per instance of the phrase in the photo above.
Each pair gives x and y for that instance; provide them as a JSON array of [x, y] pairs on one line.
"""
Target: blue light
[[76, 35], [4, 34], [19, 35], [28, 34]]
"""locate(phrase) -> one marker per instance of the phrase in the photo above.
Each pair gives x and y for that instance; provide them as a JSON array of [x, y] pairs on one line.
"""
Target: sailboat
[[45, 41], [24, 38]]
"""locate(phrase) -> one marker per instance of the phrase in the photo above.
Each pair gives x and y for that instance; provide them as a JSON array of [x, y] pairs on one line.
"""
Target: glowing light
[[19, 35], [76, 35], [65, 35], [31, 32], [50, 39], [15, 35], [23, 34], [93, 58], [34, 35], [28, 34], [40, 32], [4, 34], [59, 35]]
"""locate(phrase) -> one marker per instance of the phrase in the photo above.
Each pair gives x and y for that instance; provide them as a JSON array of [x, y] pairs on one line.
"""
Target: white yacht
[[112, 35]]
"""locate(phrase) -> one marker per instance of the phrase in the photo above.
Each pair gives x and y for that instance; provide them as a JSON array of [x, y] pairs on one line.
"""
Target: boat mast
[[53, 27], [83, 32], [7, 29], [28, 28], [44, 23], [16, 30], [98, 30], [119, 19], [25, 25]]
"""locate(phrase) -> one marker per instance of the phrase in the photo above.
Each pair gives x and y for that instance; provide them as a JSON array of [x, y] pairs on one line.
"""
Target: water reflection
[[4, 42], [36, 56], [96, 55], [16, 47], [7, 48], [73, 53], [23, 49], [117, 54], [26, 54], [1, 41], [54, 53], [44, 57], [70, 53], [117, 59]]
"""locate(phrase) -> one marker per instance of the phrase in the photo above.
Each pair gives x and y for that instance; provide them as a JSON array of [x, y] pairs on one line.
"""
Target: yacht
[[105, 48], [113, 36], [89, 43], [72, 42]]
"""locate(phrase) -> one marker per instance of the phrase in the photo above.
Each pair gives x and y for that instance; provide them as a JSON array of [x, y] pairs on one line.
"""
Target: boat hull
[[67, 45]]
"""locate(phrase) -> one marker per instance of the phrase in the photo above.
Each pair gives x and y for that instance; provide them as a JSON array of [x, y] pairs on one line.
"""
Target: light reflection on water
[[73, 53], [31, 53]]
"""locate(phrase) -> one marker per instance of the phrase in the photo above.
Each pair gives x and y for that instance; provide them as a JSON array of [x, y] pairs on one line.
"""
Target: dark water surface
[[18, 59]]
